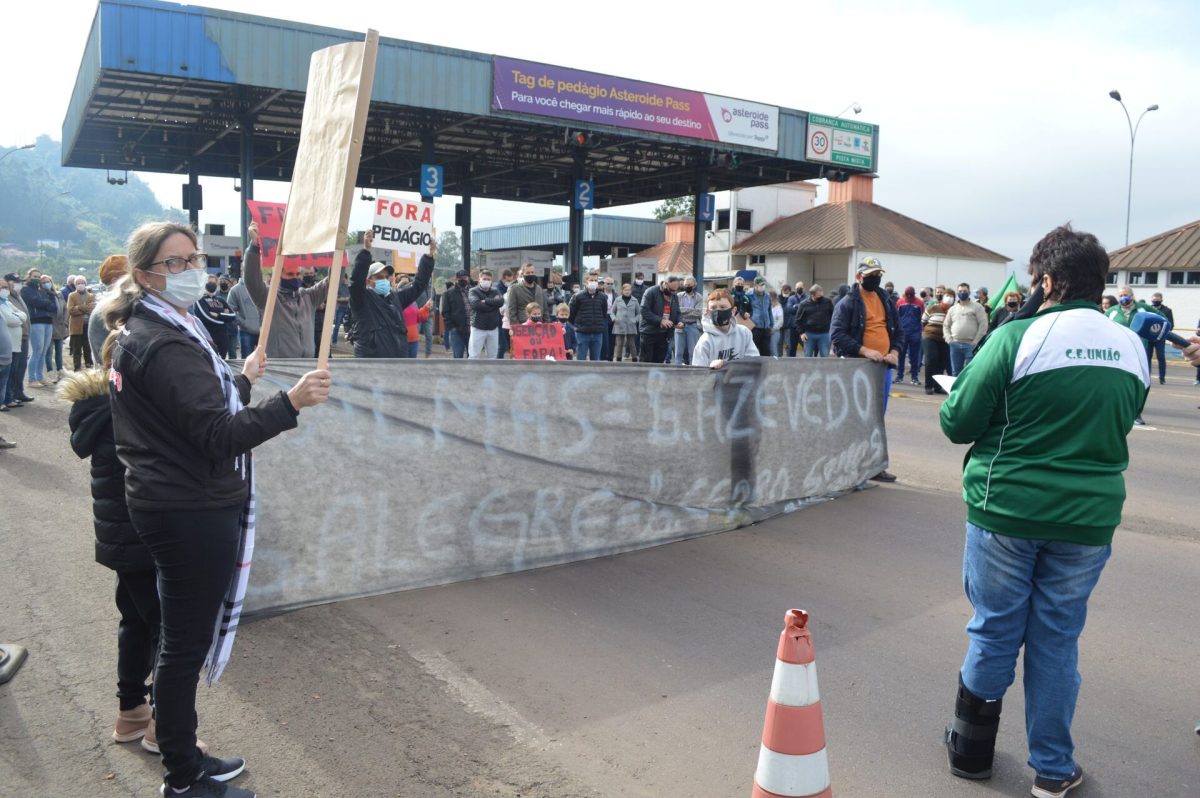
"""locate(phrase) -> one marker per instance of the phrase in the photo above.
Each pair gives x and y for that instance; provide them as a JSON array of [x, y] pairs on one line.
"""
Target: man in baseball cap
[[865, 325]]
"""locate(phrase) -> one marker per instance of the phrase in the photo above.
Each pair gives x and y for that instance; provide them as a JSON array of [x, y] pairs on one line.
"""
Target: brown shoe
[[150, 741], [132, 723]]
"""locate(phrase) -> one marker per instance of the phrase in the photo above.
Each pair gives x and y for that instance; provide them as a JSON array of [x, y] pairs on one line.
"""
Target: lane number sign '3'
[[431, 180]]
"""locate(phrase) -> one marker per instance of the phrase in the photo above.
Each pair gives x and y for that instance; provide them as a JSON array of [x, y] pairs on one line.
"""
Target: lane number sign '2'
[[585, 195], [431, 180]]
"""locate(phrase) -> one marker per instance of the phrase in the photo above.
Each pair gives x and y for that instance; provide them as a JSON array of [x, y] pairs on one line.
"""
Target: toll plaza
[[187, 90]]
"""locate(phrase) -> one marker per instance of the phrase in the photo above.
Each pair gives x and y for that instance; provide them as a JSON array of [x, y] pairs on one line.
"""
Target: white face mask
[[592, 285], [185, 288], [637, 282], [4, 293], [485, 284]]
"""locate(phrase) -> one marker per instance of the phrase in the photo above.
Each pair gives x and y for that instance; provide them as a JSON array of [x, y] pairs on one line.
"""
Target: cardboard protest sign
[[340, 79], [269, 217], [327, 157], [403, 225], [538, 341]]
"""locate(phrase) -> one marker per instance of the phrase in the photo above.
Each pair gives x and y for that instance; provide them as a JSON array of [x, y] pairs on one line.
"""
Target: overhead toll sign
[[527, 87], [840, 141]]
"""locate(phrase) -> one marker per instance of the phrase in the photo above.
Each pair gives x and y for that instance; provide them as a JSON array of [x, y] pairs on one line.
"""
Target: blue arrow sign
[[708, 206]]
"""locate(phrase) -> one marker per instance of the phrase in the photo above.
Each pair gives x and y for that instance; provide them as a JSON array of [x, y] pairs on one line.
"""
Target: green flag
[[1009, 285]]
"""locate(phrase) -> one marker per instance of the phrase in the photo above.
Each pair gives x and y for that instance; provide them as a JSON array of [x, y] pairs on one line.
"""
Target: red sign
[[538, 342], [269, 217]]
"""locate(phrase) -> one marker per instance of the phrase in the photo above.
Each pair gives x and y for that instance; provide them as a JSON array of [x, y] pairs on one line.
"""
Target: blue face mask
[[382, 288], [1125, 300], [291, 284]]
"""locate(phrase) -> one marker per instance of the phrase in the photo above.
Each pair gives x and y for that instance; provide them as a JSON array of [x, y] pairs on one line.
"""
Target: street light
[[1133, 129], [14, 149], [855, 107]]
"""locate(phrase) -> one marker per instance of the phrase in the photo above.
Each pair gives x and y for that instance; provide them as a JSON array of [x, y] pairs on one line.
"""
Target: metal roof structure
[[600, 234], [1174, 249], [862, 225], [176, 89]]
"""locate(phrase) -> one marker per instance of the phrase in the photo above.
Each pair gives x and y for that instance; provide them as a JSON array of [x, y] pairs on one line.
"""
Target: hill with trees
[[66, 220]]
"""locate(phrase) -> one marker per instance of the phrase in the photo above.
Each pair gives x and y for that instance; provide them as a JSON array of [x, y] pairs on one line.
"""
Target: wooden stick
[[335, 282], [264, 331]]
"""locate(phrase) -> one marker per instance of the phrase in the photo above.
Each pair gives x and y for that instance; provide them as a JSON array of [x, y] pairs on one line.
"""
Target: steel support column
[[246, 168], [193, 211], [465, 228], [700, 228]]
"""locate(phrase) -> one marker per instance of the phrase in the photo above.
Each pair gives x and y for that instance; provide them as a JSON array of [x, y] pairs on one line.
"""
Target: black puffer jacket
[[589, 312], [117, 543]]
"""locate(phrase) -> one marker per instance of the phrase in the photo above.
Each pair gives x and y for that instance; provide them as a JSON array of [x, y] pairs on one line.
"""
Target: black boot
[[971, 736]]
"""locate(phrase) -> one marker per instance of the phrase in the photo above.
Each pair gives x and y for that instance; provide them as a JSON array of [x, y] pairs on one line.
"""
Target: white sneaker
[[36, 384]]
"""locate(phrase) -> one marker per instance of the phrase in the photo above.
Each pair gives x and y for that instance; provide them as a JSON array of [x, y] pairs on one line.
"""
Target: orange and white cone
[[792, 761]]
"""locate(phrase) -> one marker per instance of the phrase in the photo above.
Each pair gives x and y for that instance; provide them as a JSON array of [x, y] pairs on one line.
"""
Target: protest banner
[[269, 218], [548, 447], [340, 79], [538, 342], [403, 225]]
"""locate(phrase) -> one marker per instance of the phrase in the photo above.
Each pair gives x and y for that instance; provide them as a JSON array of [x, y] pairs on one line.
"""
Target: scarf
[[226, 623]]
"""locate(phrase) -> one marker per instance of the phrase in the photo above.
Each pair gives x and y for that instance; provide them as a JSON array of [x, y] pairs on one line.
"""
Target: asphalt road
[[639, 675]]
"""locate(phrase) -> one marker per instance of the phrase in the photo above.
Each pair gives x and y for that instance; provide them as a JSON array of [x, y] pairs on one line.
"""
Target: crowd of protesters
[[167, 426]]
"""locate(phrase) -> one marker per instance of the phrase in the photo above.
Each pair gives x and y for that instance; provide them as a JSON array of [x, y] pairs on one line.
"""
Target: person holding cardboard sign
[[184, 433], [379, 327]]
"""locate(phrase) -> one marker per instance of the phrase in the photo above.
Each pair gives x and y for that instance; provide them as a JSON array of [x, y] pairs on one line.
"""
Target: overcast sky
[[995, 119]]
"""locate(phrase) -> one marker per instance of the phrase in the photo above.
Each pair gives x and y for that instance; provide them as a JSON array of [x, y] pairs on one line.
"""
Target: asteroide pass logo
[[726, 115]]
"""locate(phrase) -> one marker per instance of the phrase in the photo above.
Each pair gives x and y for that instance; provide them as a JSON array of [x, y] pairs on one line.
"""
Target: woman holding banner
[[184, 434]]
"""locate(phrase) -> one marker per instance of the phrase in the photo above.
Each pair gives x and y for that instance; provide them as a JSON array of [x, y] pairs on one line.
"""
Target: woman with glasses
[[184, 434]]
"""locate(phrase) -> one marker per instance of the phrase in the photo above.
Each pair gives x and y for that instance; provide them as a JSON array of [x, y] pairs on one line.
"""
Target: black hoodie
[[117, 543]]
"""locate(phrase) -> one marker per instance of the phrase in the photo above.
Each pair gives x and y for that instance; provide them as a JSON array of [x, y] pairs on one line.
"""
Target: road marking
[[480, 700]]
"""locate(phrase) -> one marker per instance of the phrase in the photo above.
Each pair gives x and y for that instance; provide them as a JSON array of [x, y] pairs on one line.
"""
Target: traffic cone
[[792, 761]]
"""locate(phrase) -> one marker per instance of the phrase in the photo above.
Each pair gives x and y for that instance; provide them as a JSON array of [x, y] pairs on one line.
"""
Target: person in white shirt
[[966, 324], [723, 338]]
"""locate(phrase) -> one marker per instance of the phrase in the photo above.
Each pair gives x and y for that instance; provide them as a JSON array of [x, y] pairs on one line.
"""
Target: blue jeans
[[960, 356], [1033, 592], [414, 348], [40, 338], [685, 343], [589, 346], [817, 345], [912, 348], [458, 342], [249, 342]]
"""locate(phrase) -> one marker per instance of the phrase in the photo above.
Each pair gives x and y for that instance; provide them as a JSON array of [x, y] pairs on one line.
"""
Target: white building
[[744, 212], [1168, 264], [825, 244]]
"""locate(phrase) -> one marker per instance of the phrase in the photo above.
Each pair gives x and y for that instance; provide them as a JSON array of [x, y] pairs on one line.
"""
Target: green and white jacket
[[1047, 403]]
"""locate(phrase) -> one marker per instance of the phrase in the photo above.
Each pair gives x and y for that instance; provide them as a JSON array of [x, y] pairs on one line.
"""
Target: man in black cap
[[865, 325], [456, 313], [379, 329]]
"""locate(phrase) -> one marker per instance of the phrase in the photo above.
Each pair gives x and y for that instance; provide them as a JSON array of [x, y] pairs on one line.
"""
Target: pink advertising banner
[[527, 87]]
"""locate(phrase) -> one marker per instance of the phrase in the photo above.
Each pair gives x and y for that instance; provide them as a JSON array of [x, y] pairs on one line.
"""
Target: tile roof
[[1174, 249], [862, 225], [672, 256]]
